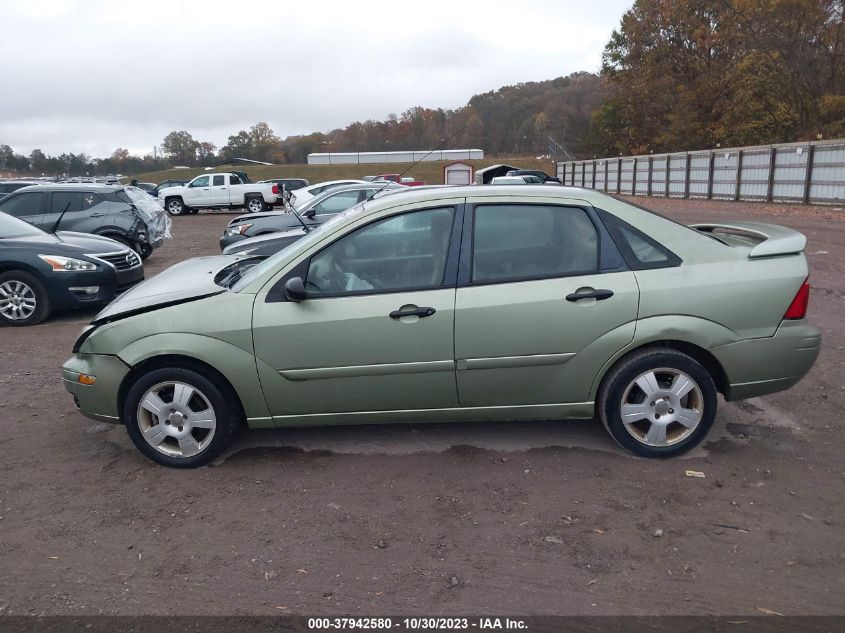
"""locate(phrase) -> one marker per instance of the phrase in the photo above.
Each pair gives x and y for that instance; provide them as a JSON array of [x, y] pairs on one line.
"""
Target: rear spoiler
[[773, 239]]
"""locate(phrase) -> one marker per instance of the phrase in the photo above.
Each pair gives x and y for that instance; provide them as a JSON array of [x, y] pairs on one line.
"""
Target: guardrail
[[808, 172]]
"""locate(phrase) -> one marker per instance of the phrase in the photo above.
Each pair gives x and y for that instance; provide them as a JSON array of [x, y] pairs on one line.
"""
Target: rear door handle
[[598, 295], [418, 312]]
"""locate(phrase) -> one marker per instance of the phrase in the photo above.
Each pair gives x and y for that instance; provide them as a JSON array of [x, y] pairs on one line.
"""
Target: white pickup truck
[[220, 191]]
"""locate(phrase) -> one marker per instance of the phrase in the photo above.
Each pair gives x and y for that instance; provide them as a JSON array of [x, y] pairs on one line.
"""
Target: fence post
[[808, 177], [738, 175], [770, 188], [710, 175], [618, 176], [648, 184], [668, 174], [605, 176], [634, 178], [594, 175]]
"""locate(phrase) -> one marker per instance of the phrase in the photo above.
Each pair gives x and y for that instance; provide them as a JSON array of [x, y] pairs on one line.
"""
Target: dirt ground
[[541, 518]]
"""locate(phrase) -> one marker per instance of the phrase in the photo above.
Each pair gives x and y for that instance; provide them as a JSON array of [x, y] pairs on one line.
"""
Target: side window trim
[[609, 258], [613, 222], [276, 294]]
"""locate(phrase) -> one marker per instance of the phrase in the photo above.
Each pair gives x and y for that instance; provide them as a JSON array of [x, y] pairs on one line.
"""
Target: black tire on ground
[[664, 360], [220, 397], [194, 211], [145, 250], [175, 206], [27, 286]]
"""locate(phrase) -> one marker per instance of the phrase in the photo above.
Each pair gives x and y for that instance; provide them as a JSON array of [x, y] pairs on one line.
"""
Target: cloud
[[101, 75]]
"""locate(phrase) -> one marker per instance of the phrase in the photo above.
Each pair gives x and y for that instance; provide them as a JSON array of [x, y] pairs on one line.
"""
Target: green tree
[[181, 148]]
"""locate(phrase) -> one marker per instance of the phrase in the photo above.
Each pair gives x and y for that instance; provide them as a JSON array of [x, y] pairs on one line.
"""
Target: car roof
[[351, 181], [358, 186], [418, 194], [71, 186]]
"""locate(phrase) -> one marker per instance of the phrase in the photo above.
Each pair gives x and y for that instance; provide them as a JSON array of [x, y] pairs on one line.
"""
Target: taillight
[[798, 308], [275, 189]]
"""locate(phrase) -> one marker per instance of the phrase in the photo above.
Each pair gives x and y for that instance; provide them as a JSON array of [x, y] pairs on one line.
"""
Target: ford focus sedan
[[464, 303]]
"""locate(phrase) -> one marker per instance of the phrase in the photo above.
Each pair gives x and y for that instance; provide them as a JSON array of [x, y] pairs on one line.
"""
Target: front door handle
[[417, 312], [96, 215], [598, 295]]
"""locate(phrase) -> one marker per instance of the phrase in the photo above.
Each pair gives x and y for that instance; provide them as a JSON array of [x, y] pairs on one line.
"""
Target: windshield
[[313, 235], [12, 227]]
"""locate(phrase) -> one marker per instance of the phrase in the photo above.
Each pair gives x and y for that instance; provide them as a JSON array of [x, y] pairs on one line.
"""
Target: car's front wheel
[[180, 418], [658, 403], [23, 299], [175, 206]]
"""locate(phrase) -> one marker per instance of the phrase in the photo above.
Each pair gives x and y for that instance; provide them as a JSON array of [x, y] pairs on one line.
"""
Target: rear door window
[[514, 242], [70, 200]]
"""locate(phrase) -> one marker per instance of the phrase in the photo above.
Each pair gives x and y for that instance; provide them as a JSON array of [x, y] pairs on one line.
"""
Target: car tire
[[254, 204], [175, 206], [145, 250], [194, 211], [23, 299], [200, 421], [658, 403]]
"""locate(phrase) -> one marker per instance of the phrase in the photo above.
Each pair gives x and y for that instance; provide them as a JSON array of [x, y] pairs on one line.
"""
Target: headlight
[[237, 230], [67, 264]]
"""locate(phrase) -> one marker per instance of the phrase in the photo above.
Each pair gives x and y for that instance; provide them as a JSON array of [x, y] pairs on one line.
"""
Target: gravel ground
[[541, 518]]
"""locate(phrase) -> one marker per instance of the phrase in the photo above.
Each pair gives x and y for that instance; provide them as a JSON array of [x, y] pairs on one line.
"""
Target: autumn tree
[[181, 148], [688, 74]]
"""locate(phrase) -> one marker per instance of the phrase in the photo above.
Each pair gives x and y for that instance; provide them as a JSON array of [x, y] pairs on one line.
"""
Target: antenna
[[415, 163]]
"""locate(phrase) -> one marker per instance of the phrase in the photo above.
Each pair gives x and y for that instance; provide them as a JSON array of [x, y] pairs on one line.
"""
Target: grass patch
[[431, 172]]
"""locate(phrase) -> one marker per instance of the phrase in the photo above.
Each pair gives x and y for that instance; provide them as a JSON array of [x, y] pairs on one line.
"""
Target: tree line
[[676, 75]]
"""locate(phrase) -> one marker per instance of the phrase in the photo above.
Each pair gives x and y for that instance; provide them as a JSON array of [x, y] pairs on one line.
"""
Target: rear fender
[[690, 330]]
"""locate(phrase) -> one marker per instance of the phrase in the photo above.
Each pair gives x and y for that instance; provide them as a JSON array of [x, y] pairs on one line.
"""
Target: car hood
[[261, 240], [188, 280], [68, 241], [252, 216]]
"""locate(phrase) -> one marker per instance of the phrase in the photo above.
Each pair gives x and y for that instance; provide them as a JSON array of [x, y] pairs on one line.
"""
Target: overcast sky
[[90, 76]]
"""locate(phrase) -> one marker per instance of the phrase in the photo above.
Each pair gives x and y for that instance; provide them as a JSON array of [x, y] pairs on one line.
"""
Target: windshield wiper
[[58, 221], [299, 217]]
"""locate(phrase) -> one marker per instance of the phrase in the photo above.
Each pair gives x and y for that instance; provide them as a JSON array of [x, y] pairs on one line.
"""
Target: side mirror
[[311, 213], [295, 289]]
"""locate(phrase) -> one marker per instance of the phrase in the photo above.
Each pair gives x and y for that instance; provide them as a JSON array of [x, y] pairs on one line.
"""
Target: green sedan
[[457, 303]]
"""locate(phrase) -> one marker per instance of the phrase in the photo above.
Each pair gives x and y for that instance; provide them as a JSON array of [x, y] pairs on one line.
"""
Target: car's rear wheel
[[180, 418], [175, 206], [23, 299], [658, 403], [255, 205]]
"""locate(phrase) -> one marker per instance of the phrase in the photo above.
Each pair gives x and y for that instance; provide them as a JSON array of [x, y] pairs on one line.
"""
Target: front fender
[[686, 329], [236, 364]]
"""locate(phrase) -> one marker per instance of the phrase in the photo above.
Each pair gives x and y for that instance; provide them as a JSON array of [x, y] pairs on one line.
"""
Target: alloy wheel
[[662, 407], [176, 419], [17, 300]]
